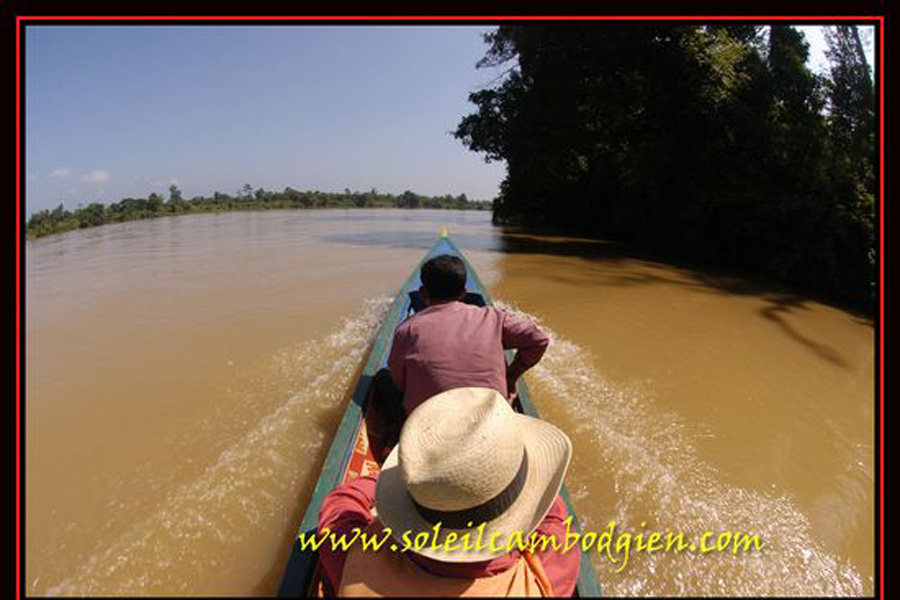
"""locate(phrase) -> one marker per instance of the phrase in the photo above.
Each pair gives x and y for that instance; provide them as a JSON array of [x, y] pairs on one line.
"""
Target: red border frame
[[18, 308], [881, 303], [879, 19], [455, 18]]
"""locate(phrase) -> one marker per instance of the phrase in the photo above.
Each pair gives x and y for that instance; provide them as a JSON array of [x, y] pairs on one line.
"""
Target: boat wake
[[641, 465], [642, 460], [199, 536]]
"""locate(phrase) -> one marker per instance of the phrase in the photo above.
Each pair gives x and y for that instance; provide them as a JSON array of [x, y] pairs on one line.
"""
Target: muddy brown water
[[184, 377]]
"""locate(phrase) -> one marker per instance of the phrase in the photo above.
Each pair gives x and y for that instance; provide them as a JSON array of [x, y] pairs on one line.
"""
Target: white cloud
[[61, 172], [96, 176]]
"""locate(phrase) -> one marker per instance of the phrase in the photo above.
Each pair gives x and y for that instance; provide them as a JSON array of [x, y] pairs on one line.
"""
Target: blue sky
[[118, 111], [113, 112]]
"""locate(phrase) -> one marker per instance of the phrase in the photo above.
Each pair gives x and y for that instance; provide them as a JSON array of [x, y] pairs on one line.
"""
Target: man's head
[[444, 278]]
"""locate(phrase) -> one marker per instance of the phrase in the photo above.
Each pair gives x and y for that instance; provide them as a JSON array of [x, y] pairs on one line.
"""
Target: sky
[[118, 111], [816, 38], [112, 112]]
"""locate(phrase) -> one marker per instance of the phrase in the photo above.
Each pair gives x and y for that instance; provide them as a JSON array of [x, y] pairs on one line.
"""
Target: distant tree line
[[712, 143], [46, 222]]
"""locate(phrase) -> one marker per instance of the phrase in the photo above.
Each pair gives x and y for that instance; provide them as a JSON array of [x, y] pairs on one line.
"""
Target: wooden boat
[[351, 453]]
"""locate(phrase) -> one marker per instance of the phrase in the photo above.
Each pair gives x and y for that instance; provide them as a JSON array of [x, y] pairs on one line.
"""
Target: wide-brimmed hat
[[465, 457]]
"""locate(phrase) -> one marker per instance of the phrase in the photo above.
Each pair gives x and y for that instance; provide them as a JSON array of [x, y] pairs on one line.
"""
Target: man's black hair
[[444, 277]]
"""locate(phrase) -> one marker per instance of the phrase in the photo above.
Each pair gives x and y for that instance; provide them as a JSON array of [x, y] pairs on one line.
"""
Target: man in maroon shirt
[[451, 344]]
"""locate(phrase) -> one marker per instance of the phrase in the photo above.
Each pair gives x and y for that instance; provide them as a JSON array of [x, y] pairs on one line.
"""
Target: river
[[184, 377]]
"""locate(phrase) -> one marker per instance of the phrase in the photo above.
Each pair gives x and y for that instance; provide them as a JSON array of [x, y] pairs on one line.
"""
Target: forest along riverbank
[[185, 375]]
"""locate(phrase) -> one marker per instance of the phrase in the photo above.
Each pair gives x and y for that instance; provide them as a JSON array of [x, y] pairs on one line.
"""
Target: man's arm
[[529, 340], [348, 506]]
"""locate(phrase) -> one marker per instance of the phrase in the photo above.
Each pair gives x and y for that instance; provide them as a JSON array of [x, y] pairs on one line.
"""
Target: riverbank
[[60, 220], [734, 279]]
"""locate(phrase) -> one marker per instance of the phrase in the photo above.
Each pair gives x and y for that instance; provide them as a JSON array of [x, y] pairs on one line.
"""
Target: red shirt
[[452, 344], [349, 506]]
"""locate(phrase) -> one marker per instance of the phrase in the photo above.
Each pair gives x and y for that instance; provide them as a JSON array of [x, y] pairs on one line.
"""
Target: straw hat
[[465, 457]]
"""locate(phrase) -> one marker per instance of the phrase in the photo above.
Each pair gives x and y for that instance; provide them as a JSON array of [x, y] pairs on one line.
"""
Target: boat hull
[[351, 452]]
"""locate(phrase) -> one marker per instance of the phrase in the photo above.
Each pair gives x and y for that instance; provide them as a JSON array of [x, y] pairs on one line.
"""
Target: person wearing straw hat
[[467, 467]]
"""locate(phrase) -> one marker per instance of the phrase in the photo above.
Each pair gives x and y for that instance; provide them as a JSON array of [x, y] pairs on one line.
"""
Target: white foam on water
[[202, 524], [647, 457]]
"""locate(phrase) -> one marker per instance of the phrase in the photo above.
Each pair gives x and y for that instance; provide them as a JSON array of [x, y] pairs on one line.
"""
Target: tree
[[798, 101], [46, 222], [92, 215], [851, 120], [176, 201], [697, 141], [60, 213], [154, 202], [851, 99], [408, 199]]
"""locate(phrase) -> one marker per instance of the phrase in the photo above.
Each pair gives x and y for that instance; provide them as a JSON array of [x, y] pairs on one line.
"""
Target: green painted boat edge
[[301, 564]]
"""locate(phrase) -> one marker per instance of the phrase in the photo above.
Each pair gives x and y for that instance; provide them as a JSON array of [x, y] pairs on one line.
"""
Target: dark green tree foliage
[[46, 222], [709, 143], [408, 199], [92, 215], [851, 96], [176, 201], [851, 119], [155, 202]]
